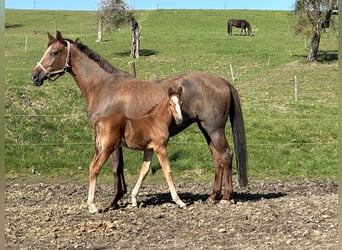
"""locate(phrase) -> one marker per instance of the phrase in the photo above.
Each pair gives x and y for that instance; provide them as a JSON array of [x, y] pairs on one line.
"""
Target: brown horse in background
[[243, 24], [208, 101], [149, 133]]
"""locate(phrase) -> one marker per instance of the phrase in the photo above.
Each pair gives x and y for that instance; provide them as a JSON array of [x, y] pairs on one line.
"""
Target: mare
[[149, 133], [243, 24], [208, 100]]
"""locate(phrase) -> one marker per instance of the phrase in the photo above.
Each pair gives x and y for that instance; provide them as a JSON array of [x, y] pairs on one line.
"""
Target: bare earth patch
[[270, 215]]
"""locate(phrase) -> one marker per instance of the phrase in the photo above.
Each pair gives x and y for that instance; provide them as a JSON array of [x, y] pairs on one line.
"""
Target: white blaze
[[176, 102]]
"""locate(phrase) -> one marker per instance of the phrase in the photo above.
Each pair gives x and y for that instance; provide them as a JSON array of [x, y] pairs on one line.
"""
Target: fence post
[[231, 71], [132, 70], [26, 43], [295, 88]]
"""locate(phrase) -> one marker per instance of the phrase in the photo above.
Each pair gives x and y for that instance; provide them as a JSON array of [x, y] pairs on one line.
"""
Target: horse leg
[[165, 164], [94, 169], [145, 167], [222, 155], [120, 187]]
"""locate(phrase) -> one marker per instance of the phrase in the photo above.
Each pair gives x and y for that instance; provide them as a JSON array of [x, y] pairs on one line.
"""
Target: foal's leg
[[145, 167], [94, 169], [165, 164], [120, 188], [223, 165]]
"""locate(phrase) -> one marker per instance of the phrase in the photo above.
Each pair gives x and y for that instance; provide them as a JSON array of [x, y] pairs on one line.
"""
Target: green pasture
[[46, 128]]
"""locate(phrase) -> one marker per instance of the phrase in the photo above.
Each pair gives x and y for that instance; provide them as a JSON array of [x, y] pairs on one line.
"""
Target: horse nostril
[[34, 76]]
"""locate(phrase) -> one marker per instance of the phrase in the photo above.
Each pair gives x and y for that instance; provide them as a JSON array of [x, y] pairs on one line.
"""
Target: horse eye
[[53, 53]]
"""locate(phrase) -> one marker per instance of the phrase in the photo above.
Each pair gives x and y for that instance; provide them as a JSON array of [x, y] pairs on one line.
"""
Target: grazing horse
[[243, 24], [148, 133], [208, 100]]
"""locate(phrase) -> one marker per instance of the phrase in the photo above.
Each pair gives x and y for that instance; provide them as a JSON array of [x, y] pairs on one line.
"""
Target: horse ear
[[50, 37], [170, 91], [180, 91], [59, 36]]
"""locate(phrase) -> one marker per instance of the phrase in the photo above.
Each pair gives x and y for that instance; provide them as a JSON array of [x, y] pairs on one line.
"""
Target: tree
[[112, 14], [135, 38], [312, 17]]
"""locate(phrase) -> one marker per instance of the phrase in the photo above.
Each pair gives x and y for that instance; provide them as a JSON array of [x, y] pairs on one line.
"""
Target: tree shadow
[[324, 56], [327, 56], [142, 52], [12, 25]]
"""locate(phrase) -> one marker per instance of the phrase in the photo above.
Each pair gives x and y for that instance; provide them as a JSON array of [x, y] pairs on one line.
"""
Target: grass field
[[46, 128]]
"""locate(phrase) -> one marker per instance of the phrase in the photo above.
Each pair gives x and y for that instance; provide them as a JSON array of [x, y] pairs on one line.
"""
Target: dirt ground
[[268, 215]]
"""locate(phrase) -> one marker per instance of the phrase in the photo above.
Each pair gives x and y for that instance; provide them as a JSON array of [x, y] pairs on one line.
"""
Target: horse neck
[[89, 75], [162, 112]]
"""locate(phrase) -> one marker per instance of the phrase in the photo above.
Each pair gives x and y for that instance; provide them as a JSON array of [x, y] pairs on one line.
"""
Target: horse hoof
[[114, 206], [225, 202], [182, 205], [134, 204], [210, 201], [92, 209]]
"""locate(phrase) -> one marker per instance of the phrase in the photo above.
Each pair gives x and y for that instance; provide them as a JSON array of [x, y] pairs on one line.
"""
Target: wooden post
[[132, 71], [231, 71], [295, 88], [26, 43], [99, 31]]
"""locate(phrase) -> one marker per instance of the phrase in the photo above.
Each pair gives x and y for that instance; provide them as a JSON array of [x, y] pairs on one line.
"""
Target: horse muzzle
[[178, 120], [38, 77]]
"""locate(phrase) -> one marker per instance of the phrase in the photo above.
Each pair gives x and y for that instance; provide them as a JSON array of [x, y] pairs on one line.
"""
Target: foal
[[148, 133]]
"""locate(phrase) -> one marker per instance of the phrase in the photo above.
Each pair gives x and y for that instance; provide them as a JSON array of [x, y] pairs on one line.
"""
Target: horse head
[[54, 62], [175, 104]]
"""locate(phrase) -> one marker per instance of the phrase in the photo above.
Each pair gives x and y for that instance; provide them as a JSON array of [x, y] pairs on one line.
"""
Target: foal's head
[[175, 104]]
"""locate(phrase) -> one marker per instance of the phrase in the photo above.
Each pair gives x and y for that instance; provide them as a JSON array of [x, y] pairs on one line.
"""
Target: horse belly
[[135, 138]]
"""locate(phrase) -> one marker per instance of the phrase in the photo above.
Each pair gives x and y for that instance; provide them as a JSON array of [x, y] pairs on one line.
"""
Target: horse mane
[[103, 63]]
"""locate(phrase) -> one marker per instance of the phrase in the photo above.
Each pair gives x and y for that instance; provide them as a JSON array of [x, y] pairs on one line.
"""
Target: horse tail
[[239, 136]]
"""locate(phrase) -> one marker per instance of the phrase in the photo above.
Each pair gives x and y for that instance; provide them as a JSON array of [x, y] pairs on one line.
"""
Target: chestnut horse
[[208, 100], [243, 24], [149, 133]]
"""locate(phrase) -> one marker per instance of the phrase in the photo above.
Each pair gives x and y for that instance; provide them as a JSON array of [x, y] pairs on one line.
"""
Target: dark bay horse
[[149, 133], [243, 24], [208, 100]]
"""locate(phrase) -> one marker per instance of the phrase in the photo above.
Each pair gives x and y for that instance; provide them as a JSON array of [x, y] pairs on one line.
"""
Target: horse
[[208, 100], [243, 24], [149, 133]]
